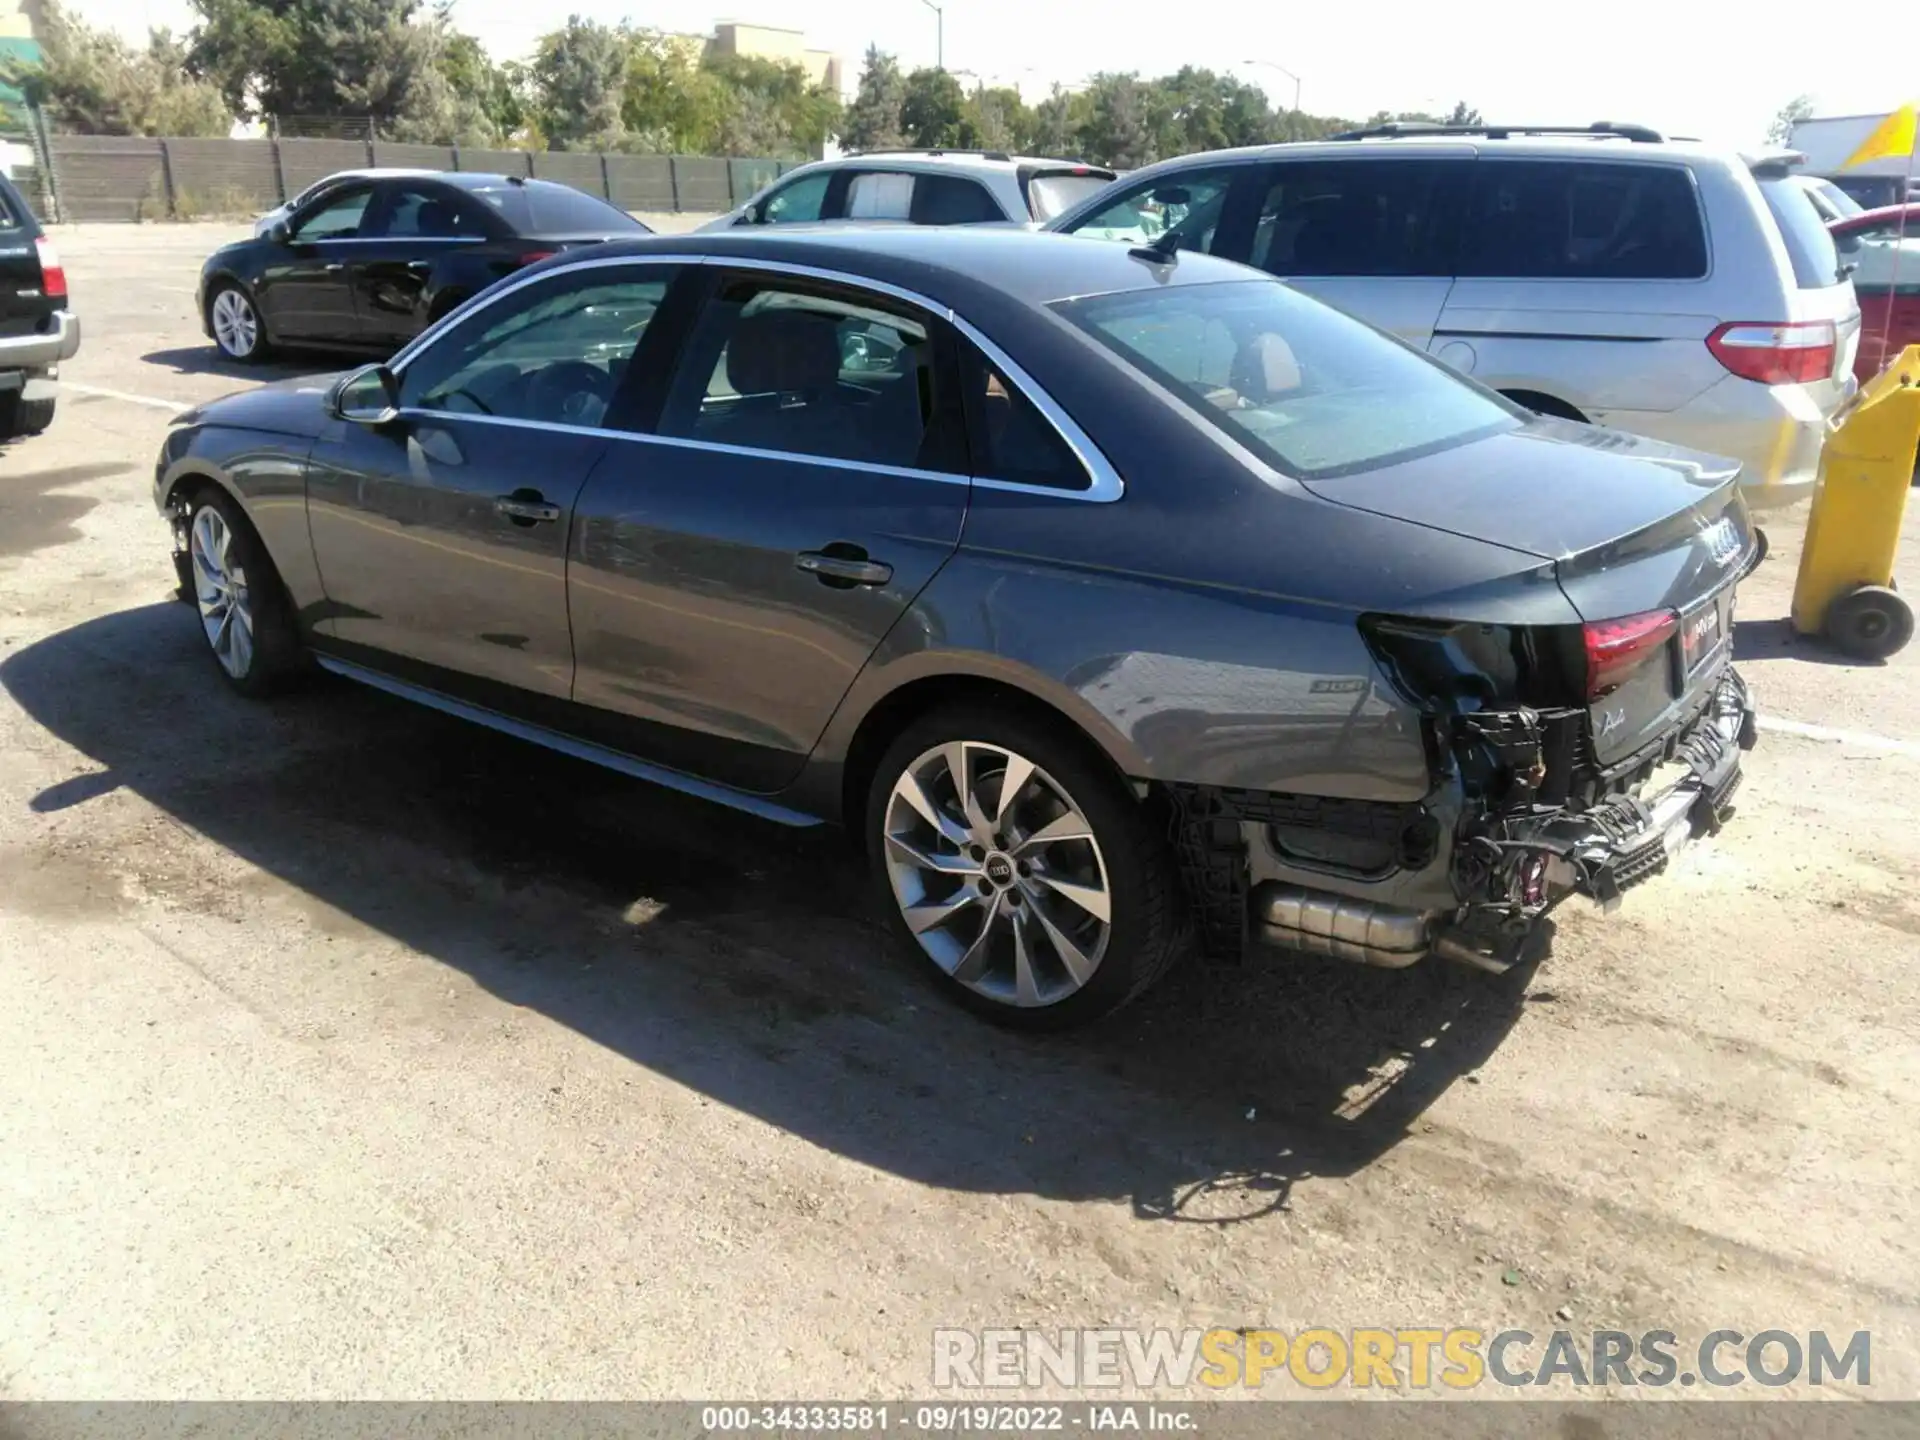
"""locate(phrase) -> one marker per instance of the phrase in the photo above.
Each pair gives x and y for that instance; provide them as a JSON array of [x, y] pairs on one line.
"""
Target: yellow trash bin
[[1845, 589]]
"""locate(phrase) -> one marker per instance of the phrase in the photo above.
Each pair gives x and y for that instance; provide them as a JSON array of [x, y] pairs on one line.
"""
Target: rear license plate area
[[1703, 631]]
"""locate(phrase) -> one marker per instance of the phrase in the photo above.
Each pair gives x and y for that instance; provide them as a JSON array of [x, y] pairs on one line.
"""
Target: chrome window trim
[[1104, 482], [393, 240]]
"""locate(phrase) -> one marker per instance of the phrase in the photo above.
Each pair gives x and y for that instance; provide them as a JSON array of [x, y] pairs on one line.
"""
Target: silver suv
[[1603, 274], [923, 187]]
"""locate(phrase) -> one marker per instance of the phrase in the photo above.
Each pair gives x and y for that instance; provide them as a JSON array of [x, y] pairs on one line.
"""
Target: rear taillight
[[1616, 648], [53, 275], [534, 257], [1788, 354]]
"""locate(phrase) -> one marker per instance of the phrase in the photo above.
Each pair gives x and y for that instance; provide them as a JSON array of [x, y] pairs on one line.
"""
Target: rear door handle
[[850, 567], [336, 265], [525, 507], [419, 267]]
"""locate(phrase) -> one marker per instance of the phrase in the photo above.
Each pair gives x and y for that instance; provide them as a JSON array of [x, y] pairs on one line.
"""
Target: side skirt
[[568, 745]]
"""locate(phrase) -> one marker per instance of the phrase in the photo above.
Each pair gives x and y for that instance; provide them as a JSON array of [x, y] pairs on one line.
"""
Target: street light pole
[[939, 34], [1283, 70]]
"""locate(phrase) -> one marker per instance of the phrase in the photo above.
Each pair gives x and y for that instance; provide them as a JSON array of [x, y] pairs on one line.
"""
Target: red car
[[1886, 277]]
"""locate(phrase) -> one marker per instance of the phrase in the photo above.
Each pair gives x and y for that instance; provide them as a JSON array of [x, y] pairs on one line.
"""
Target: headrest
[[783, 351]]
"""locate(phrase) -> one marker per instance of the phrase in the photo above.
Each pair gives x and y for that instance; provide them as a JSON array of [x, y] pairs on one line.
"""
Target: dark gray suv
[[1116, 599]]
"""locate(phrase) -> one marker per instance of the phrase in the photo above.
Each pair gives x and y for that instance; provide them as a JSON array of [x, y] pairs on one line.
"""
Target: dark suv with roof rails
[[37, 329]]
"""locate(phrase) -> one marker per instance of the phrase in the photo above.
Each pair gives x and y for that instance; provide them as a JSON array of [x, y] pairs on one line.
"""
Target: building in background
[[770, 42]]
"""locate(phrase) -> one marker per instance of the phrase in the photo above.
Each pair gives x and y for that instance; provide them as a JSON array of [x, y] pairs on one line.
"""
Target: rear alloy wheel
[[1028, 876], [243, 612], [236, 325], [1871, 623]]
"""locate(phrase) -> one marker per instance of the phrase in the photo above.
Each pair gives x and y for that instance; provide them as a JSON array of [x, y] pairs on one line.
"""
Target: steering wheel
[[571, 392]]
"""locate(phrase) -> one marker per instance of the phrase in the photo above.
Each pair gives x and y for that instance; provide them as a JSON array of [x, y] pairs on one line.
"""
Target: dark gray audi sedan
[[1120, 602]]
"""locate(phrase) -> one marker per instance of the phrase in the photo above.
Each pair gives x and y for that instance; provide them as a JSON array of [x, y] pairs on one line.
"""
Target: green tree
[[378, 59], [1117, 130], [672, 103], [1792, 113], [488, 94], [1464, 114], [579, 79], [873, 120], [95, 83], [932, 108], [774, 110], [995, 119], [1056, 126]]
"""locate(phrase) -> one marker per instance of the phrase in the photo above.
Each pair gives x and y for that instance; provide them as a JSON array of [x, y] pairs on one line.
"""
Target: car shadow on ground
[[1777, 639], [746, 961], [207, 360]]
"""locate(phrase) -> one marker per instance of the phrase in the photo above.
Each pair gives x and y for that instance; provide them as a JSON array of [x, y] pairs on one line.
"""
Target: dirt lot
[[345, 1051]]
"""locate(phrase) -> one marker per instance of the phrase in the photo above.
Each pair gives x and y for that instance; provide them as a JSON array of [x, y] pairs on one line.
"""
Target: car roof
[[953, 264], [996, 161], [1556, 147]]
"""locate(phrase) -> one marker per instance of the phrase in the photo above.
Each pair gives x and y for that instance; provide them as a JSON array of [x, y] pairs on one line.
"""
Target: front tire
[[1020, 869], [235, 322], [244, 611]]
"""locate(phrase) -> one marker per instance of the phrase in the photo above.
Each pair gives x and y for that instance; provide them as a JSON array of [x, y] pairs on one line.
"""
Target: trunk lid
[[1634, 527]]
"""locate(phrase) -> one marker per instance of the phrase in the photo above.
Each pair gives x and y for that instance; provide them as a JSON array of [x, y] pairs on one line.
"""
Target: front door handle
[[843, 566], [419, 267], [527, 507], [334, 267]]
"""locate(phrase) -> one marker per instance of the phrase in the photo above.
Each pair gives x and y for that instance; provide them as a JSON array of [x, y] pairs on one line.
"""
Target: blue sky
[[1685, 66]]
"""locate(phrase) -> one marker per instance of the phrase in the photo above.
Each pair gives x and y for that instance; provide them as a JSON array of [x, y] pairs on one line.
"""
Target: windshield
[[546, 208], [1058, 192], [1840, 200], [1312, 392]]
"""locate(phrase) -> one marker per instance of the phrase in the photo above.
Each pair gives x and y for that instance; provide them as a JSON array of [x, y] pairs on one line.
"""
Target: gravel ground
[[349, 1052]]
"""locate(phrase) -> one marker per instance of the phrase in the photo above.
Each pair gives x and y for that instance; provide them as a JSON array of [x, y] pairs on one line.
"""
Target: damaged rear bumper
[[1510, 866]]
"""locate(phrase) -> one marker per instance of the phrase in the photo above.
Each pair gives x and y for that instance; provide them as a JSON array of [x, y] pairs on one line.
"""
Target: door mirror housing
[[368, 396], [278, 232]]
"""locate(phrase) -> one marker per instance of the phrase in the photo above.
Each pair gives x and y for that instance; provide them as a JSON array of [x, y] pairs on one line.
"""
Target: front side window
[[1313, 393], [819, 374], [1362, 217], [798, 201], [337, 218], [1586, 220], [553, 353], [1190, 204]]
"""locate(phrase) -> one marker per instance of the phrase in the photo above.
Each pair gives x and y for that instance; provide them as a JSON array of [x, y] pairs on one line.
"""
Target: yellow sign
[[1892, 139]]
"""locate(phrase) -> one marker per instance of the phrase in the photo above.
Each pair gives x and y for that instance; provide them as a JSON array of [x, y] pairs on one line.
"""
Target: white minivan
[[1603, 274]]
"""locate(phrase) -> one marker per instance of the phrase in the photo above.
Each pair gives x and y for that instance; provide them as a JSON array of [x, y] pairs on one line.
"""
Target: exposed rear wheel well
[[907, 704], [1544, 404]]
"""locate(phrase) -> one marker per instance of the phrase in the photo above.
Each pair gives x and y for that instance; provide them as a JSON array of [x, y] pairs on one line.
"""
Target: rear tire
[[243, 609], [1031, 932], [19, 417], [1871, 623]]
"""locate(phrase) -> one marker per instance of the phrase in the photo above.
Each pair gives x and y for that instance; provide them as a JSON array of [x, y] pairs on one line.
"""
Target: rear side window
[[880, 196], [948, 200], [1816, 265], [1011, 439], [1585, 220], [1367, 217]]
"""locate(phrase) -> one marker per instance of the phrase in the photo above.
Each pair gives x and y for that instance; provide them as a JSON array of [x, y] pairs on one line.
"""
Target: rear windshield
[[1816, 265], [1313, 393], [546, 208], [1058, 191]]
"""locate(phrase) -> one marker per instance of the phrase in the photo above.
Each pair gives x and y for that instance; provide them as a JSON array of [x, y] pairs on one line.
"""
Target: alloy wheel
[[220, 589], [997, 873], [235, 326]]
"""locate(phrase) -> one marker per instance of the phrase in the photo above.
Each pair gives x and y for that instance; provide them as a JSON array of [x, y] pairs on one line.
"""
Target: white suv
[[923, 187], [1602, 274]]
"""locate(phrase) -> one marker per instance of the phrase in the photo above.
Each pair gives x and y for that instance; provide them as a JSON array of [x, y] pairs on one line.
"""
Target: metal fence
[[118, 177]]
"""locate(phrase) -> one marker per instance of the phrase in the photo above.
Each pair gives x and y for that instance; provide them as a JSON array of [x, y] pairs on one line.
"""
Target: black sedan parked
[[1097, 591], [368, 264]]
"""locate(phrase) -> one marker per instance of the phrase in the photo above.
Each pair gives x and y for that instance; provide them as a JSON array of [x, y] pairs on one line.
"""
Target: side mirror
[[368, 396], [278, 232]]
